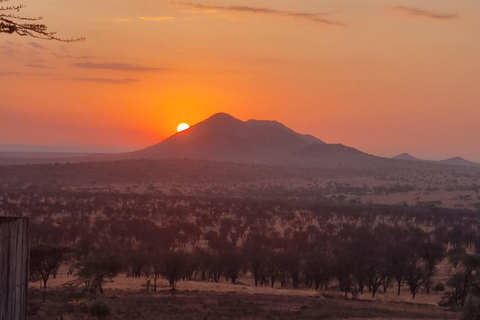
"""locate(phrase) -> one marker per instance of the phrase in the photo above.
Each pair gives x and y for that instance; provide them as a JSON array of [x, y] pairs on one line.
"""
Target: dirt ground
[[127, 298], [229, 305]]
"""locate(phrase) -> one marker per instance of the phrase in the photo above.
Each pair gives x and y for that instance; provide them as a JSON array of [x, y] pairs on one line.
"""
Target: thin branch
[[10, 23]]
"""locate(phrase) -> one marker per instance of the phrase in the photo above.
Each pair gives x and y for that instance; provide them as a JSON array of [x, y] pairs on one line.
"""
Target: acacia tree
[[45, 260], [464, 281], [415, 277], [173, 266], [93, 270], [10, 22], [432, 254]]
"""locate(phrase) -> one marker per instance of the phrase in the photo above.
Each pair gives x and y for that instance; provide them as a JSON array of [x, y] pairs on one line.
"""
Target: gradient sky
[[382, 76]]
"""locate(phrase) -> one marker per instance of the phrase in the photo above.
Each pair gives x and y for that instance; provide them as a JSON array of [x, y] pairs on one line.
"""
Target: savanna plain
[[195, 239]]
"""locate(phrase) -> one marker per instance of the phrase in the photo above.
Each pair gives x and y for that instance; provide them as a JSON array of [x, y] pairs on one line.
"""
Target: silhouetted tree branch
[[24, 26]]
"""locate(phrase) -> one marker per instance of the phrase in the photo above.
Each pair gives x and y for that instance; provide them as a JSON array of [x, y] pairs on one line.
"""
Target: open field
[[195, 300], [245, 285], [405, 182], [128, 298], [217, 221]]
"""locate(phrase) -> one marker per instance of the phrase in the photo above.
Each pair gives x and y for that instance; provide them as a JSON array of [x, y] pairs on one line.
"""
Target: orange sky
[[385, 77]]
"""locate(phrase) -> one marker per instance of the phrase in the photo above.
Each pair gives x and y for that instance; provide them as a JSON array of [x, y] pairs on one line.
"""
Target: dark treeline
[[242, 180], [291, 244]]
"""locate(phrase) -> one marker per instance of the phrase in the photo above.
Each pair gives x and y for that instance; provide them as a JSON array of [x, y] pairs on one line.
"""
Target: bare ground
[[228, 305]]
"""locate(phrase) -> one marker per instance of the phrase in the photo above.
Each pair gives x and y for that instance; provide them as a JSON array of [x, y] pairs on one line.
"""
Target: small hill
[[406, 156], [457, 161]]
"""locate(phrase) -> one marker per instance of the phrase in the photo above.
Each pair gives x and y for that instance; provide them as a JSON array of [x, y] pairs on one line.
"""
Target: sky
[[385, 77]]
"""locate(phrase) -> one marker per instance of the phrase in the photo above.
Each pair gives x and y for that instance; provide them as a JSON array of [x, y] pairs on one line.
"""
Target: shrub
[[439, 287], [99, 309], [471, 310]]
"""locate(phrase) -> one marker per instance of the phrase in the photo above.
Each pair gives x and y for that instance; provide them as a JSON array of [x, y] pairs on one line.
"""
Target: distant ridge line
[[224, 138]]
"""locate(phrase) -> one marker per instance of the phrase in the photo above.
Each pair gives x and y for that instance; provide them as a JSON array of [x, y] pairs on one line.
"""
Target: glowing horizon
[[382, 78]]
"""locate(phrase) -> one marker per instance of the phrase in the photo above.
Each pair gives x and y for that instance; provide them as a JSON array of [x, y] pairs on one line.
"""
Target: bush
[[439, 287], [32, 308], [471, 310], [99, 309]]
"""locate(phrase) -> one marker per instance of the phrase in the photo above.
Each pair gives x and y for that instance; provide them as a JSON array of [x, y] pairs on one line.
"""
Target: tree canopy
[[10, 23]]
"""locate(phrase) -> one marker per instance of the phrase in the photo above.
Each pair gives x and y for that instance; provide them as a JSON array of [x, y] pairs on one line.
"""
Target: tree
[[466, 279], [173, 266], [317, 269], [94, 269], [273, 266], [256, 250], [24, 26], [431, 253], [400, 257], [232, 263], [45, 261], [415, 277], [154, 268], [376, 272], [471, 311]]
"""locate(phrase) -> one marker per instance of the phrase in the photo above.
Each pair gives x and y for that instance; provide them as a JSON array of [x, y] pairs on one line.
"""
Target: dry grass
[[128, 299], [232, 305]]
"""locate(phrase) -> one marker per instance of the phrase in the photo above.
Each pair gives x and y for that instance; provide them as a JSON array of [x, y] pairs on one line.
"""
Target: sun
[[182, 126]]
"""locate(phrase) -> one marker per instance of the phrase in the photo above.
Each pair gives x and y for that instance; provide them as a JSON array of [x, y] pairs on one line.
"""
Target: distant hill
[[457, 161], [406, 156], [225, 138]]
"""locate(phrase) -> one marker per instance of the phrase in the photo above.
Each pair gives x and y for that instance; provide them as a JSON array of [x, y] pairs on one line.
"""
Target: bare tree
[[10, 22]]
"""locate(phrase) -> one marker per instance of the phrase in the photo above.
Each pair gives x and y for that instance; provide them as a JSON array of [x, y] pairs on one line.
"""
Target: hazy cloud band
[[110, 81], [425, 13], [114, 66], [315, 17]]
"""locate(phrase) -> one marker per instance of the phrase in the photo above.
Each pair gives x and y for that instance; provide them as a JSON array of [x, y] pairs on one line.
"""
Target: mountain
[[406, 156], [225, 138], [457, 161]]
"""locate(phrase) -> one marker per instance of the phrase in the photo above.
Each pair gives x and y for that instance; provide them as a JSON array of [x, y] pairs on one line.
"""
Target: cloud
[[315, 17], [425, 13], [35, 65], [35, 74], [156, 18], [110, 81], [36, 45], [115, 66]]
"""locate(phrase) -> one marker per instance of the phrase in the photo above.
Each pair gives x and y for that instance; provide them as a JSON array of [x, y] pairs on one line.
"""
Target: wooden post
[[14, 267]]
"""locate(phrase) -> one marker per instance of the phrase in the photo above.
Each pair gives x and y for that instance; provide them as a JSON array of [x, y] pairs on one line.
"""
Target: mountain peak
[[222, 137], [218, 122], [221, 116], [405, 156]]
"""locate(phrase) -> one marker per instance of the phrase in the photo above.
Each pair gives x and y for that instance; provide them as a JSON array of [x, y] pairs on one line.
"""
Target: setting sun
[[182, 126]]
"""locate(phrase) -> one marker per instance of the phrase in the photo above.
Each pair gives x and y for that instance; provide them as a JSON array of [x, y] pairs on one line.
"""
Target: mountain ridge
[[222, 137]]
